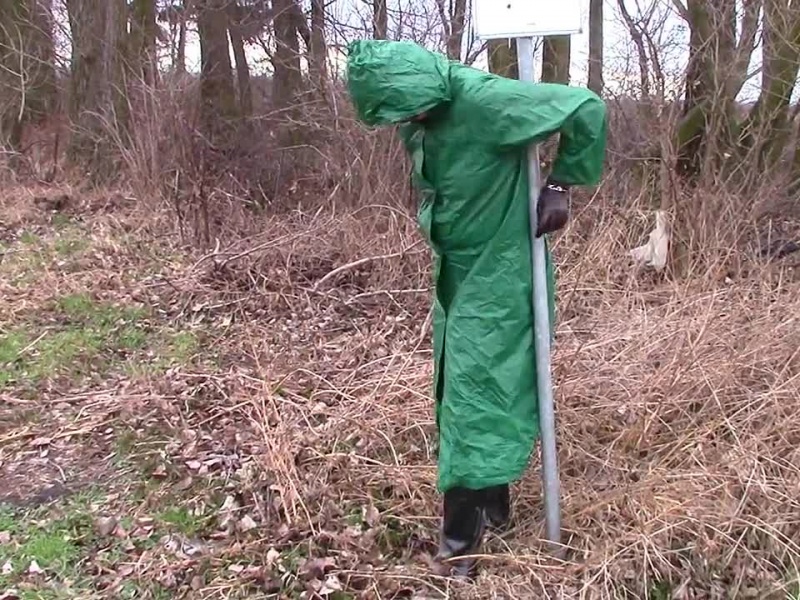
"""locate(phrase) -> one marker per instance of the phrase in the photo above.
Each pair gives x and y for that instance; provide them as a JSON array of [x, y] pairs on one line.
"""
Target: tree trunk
[[317, 52], [453, 17], [142, 58], [27, 66], [455, 39], [216, 77], [503, 58], [556, 58], [42, 97], [638, 40], [288, 79], [180, 63], [717, 69], [745, 46], [13, 17], [595, 82], [767, 129], [380, 20], [97, 97], [794, 183], [235, 15]]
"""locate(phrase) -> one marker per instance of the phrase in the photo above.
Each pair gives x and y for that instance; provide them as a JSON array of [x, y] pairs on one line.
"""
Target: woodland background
[[214, 309]]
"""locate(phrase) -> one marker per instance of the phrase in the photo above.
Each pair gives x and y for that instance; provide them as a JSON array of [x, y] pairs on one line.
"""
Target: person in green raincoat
[[467, 133]]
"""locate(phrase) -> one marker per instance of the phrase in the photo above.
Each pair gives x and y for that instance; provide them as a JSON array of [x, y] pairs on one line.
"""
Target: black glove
[[552, 210]]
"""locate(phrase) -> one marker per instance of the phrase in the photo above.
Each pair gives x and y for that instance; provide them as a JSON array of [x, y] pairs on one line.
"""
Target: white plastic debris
[[654, 253]]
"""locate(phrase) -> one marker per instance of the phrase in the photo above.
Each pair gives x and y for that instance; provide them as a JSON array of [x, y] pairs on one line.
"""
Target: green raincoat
[[470, 165]]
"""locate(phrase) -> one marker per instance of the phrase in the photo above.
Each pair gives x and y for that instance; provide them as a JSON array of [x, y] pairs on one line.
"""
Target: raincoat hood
[[391, 82]]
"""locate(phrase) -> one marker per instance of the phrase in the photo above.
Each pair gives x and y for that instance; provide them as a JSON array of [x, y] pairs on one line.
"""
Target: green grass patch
[[55, 540], [60, 221], [182, 520], [28, 238], [169, 349], [87, 338], [25, 259], [65, 247], [80, 337]]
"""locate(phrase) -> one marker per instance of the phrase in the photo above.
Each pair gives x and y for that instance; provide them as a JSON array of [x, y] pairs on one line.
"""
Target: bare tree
[[635, 29], [317, 51], [503, 58], [288, 77], [453, 18], [380, 20], [186, 9], [237, 17], [143, 33], [595, 82], [97, 99], [716, 71], [767, 128], [216, 76], [556, 57], [27, 73]]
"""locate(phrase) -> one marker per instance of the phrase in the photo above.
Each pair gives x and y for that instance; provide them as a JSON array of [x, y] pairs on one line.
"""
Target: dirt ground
[[255, 422]]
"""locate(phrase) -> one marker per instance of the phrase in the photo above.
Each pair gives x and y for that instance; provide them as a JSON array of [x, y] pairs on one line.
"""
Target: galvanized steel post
[[550, 479]]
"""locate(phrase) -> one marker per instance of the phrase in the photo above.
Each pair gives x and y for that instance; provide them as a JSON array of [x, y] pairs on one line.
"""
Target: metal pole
[[541, 328]]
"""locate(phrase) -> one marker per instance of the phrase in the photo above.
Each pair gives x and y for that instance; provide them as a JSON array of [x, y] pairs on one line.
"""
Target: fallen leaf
[[125, 571], [185, 483], [193, 547], [10, 595], [171, 543], [331, 585], [168, 580], [35, 569], [212, 462], [254, 572], [236, 568], [229, 504], [5, 537], [272, 556], [160, 472], [120, 532], [105, 525], [194, 465], [316, 568], [8, 568], [372, 515], [246, 523], [41, 441], [196, 583], [273, 585]]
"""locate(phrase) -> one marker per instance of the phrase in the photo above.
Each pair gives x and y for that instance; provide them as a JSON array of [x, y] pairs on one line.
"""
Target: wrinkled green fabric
[[470, 166]]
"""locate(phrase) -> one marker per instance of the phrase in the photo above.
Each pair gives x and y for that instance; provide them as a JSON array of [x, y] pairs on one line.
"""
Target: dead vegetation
[[256, 420], [215, 354]]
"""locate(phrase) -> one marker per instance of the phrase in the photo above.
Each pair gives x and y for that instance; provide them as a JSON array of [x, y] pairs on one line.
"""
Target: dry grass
[[676, 412], [675, 404]]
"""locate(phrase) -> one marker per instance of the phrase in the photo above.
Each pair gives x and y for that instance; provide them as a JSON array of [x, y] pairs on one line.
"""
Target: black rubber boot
[[497, 507], [462, 532]]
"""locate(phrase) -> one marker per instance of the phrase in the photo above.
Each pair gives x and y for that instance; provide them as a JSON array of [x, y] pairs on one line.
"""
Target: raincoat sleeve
[[522, 113]]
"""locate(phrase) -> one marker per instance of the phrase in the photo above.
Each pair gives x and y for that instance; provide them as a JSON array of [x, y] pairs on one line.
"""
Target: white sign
[[526, 18]]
